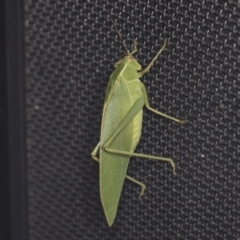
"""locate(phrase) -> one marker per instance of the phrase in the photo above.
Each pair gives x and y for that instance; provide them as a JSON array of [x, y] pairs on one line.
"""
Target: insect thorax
[[128, 67]]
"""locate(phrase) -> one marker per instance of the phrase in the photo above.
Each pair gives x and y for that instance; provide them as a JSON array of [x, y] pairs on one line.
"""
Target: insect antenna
[[119, 34]]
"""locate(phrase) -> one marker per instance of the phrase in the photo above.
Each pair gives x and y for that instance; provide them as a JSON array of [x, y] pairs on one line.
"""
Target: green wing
[[113, 167]]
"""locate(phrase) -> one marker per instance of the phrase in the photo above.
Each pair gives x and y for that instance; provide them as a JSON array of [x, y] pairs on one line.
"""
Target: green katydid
[[121, 129]]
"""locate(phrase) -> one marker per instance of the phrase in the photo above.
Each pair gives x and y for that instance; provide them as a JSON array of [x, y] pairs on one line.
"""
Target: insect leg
[[155, 111], [143, 186], [121, 152], [95, 158], [154, 59], [94, 152], [134, 48]]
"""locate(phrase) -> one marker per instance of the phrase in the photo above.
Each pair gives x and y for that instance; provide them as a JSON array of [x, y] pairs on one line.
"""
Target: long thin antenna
[[119, 34]]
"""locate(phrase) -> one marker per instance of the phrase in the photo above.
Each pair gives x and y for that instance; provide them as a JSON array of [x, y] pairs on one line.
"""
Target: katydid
[[121, 129]]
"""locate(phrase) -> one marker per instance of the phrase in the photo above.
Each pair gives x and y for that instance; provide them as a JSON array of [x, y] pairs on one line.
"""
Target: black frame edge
[[16, 119], [4, 164]]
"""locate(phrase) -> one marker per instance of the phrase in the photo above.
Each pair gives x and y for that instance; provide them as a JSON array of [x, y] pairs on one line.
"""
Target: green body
[[123, 91], [121, 130]]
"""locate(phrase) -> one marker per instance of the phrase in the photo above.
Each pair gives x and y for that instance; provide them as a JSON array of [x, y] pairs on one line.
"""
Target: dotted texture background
[[71, 47]]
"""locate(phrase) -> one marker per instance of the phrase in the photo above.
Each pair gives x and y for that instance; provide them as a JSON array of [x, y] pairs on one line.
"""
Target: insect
[[121, 129]]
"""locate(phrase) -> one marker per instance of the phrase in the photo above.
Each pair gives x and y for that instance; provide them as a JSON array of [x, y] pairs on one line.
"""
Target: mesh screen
[[71, 47]]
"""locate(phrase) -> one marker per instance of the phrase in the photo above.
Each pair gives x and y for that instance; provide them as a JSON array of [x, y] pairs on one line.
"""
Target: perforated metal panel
[[71, 47]]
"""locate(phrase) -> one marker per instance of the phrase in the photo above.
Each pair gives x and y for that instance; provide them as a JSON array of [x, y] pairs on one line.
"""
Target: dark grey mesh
[[71, 47]]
